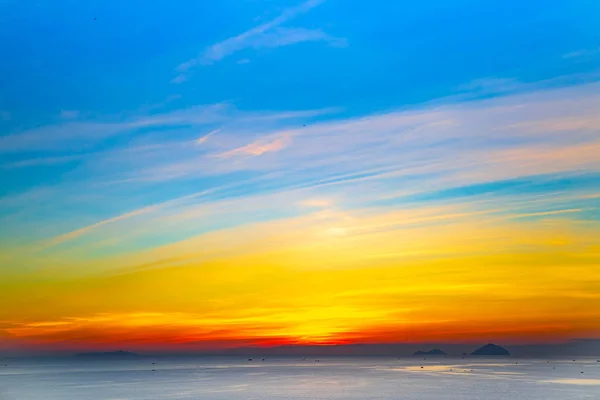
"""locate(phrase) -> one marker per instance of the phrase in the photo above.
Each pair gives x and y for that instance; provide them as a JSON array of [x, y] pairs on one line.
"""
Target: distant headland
[[434, 352], [491, 349]]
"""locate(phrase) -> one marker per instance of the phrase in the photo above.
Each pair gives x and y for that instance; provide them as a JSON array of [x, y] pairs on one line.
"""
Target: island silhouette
[[491, 349], [304, 351], [433, 352]]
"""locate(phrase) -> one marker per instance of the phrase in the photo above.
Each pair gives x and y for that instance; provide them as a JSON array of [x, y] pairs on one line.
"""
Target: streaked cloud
[[207, 136], [530, 126], [69, 114], [371, 158], [318, 203], [266, 35], [79, 232], [583, 54], [258, 147], [77, 136], [179, 79], [280, 37], [42, 161], [492, 86]]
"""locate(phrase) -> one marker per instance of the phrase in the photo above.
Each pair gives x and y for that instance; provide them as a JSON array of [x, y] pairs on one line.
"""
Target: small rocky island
[[491, 350], [434, 352], [110, 355]]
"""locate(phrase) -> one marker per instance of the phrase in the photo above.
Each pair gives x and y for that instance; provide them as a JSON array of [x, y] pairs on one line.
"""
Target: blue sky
[[364, 56], [110, 107]]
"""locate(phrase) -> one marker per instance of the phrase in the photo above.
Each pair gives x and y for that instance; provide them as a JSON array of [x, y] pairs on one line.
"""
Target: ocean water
[[290, 379]]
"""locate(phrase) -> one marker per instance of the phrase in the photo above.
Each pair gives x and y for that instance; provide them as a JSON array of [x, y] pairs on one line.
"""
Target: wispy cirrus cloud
[[267, 35], [492, 86], [288, 36], [530, 126], [83, 135], [141, 211], [317, 203], [393, 158], [259, 147], [207, 136], [583, 54], [41, 161], [69, 114]]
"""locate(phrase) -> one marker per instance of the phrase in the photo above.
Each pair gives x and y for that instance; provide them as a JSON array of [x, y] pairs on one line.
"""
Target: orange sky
[[463, 221], [310, 280]]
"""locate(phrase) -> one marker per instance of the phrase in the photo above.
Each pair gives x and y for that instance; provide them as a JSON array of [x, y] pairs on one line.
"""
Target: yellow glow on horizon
[[381, 279]]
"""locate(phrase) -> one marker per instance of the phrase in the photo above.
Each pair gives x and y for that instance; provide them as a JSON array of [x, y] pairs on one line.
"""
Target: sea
[[298, 378]]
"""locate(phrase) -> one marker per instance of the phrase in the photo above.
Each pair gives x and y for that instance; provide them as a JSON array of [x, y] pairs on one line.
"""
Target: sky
[[183, 175]]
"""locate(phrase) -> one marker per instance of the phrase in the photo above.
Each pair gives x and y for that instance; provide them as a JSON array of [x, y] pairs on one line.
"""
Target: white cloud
[[77, 136], [492, 86], [280, 37], [583, 54], [179, 79], [316, 203], [259, 147], [40, 161], [544, 126], [204, 138], [355, 160], [69, 114], [73, 135], [267, 35]]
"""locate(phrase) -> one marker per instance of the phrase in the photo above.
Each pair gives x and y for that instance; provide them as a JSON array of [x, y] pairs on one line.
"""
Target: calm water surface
[[349, 378]]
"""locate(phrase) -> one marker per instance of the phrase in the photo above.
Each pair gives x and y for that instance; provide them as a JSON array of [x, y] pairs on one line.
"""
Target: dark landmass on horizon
[[433, 352], [491, 349], [574, 348]]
